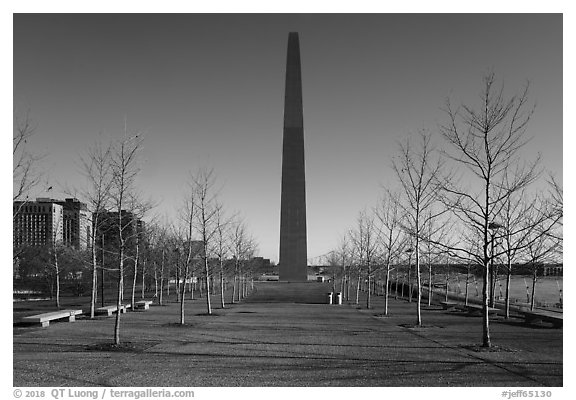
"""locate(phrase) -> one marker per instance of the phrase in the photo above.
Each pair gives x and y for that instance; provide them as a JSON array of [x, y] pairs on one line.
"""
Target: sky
[[208, 90]]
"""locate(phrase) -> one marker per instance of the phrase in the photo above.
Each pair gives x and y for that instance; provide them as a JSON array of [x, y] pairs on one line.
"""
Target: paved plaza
[[274, 339]]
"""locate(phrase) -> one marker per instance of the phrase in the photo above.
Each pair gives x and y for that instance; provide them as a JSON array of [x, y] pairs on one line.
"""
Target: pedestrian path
[[293, 292], [268, 342]]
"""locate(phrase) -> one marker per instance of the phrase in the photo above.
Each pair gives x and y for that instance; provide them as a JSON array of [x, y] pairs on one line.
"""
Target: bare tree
[[367, 243], [161, 249], [249, 270], [485, 143], [151, 255], [344, 256], [430, 251], [96, 170], [135, 261], [125, 168], [56, 248], [242, 248], [149, 259], [332, 260], [138, 208], [513, 233], [557, 199], [540, 245], [557, 205], [203, 185], [25, 172], [221, 247], [190, 248], [388, 213], [418, 169]]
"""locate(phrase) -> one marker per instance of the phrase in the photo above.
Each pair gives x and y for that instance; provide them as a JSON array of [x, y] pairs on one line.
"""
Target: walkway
[[265, 343]]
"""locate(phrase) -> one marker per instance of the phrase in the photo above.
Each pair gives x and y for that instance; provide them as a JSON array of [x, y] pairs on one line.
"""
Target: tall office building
[[45, 221], [108, 234], [77, 229], [37, 223]]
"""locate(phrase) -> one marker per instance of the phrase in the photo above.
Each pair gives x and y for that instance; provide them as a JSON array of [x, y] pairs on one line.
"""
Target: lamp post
[[493, 226], [409, 251]]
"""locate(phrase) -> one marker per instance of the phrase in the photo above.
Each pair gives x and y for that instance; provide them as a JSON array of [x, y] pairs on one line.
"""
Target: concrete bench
[[142, 305], [44, 319], [109, 310], [556, 319], [474, 309], [448, 305]]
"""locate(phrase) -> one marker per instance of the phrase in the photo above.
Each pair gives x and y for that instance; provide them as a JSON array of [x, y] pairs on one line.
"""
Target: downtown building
[[109, 225], [47, 221]]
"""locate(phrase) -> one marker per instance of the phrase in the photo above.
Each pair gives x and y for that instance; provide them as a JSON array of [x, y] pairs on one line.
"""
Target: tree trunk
[[533, 296], [396, 282], [143, 278], [348, 285], [222, 287], [485, 321], [446, 291], [507, 301], [135, 276], [409, 281], [334, 283], [207, 271], [403, 284], [183, 298], [119, 298], [94, 279], [155, 281], [369, 288], [245, 282], [419, 286], [387, 288], [494, 277], [234, 290], [102, 273], [222, 304], [177, 283], [358, 288], [160, 299], [430, 283], [182, 309], [239, 283], [467, 283], [57, 268], [508, 282], [240, 286]]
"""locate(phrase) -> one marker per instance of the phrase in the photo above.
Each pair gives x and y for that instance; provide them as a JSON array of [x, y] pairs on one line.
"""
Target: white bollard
[[338, 299], [329, 298]]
